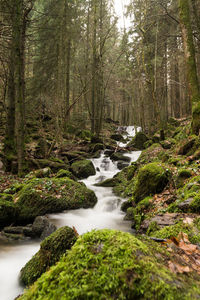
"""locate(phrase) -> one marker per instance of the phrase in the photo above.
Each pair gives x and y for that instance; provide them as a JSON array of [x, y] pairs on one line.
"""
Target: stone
[[42, 227]]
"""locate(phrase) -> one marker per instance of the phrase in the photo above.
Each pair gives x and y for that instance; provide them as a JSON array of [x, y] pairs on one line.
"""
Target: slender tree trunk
[[19, 29], [94, 68], [189, 50]]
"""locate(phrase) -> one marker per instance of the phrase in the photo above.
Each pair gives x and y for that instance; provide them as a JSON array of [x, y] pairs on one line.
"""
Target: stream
[[105, 214]]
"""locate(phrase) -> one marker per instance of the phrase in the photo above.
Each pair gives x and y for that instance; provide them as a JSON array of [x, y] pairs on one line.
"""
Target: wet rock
[[108, 152], [125, 205], [119, 156], [27, 231], [108, 182], [42, 227], [83, 169], [121, 165]]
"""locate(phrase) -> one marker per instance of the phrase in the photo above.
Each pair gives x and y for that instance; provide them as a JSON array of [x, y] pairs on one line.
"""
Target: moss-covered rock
[[8, 213], [117, 137], [139, 141], [110, 182], [46, 172], [83, 169], [96, 147], [151, 179], [119, 156], [65, 173], [51, 250], [110, 264], [42, 196]]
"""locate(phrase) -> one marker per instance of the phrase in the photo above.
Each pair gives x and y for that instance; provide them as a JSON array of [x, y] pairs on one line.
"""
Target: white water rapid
[[105, 214]]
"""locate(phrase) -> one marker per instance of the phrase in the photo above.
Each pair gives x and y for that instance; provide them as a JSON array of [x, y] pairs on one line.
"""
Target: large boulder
[[139, 141], [83, 168], [41, 196], [110, 264], [51, 249], [151, 179]]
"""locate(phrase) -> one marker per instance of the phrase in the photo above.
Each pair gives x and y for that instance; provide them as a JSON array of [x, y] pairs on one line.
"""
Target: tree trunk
[[19, 29], [189, 50]]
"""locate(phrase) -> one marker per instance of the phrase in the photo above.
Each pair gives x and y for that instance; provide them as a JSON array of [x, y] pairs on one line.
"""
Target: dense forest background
[[65, 63]]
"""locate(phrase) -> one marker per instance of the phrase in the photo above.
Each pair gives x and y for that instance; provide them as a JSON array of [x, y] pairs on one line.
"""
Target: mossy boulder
[[65, 173], [110, 264], [51, 250], [8, 213], [139, 141], [117, 137], [42, 196], [83, 168], [46, 172], [110, 182], [96, 147], [151, 179], [119, 156]]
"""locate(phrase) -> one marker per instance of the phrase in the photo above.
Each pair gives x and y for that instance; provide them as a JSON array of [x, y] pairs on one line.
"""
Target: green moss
[[167, 232], [195, 204], [138, 141], [137, 214], [51, 250], [153, 226], [65, 173], [42, 196], [151, 179], [83, 169], [14, 188], [6, 197], [111, 264], [185, 173], [8, 213]]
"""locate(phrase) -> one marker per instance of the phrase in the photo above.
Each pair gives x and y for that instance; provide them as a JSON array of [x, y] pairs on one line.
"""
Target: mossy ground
[[110, 264]]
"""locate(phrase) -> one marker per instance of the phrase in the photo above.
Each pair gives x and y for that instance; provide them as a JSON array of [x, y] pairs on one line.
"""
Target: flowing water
[[105, 214]]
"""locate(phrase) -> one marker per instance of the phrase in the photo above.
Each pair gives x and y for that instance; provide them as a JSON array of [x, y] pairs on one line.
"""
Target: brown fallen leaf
[[176, 268]]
